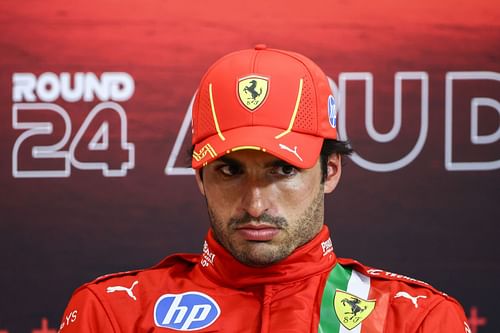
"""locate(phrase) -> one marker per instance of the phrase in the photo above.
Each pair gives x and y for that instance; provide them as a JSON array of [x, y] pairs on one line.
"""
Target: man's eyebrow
[[228, 160], [279, 163]]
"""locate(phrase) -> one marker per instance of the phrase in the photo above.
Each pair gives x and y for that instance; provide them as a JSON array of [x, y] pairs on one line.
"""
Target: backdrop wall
[[94, 95]]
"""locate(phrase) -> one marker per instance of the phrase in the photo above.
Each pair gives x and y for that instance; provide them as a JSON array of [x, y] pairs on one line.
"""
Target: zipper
[[266, 308]]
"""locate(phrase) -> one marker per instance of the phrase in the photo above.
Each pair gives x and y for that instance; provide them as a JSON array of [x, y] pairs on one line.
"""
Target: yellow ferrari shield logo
[[252, 91], [351, 310]]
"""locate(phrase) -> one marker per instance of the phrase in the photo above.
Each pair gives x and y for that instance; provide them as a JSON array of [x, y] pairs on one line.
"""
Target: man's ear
[[199, 181], [333, 172]]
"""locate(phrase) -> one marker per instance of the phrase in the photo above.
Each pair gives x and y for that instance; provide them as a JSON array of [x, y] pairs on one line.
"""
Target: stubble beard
[[261, 254]]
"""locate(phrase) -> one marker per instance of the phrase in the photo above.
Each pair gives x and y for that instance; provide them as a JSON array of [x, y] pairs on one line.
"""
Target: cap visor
[[298, 149]]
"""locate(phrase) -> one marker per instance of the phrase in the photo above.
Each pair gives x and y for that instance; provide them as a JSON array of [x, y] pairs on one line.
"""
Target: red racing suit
[[310, 291]]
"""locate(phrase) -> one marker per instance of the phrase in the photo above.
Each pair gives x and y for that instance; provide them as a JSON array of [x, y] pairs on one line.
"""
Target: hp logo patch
[[332, 111], [189, 311]]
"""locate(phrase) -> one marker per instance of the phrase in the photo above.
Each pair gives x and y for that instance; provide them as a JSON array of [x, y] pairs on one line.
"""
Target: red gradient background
[[422, 220]]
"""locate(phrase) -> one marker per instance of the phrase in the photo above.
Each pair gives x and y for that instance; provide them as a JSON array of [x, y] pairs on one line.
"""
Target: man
[[265, 153]]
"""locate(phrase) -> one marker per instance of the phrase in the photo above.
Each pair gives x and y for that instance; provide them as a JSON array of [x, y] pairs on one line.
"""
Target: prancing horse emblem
[[350, 309], [252, 91], [355, 307]]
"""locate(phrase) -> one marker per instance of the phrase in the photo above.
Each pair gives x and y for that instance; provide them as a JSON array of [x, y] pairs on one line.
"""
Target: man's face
[[261, 208]]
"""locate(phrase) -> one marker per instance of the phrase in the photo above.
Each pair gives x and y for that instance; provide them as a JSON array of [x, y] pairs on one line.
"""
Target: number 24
[[55, 151]]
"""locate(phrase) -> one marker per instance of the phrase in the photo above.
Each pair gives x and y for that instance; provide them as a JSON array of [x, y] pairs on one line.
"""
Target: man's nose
[[256, 200]]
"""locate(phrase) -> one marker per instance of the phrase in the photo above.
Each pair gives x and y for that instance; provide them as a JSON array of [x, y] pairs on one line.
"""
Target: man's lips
[[258, 232]]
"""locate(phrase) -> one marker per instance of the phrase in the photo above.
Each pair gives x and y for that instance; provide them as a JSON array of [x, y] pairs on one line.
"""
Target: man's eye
[[230, 170], [285, 170]]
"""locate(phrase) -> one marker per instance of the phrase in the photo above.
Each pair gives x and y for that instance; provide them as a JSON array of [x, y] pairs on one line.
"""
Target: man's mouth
[[258, 232]]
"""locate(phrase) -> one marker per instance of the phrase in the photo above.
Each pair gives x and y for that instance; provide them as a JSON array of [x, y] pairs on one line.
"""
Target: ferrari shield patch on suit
[[350, 309]]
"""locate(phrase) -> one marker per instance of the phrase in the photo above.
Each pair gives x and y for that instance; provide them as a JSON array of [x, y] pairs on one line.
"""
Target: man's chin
[[259, 254]]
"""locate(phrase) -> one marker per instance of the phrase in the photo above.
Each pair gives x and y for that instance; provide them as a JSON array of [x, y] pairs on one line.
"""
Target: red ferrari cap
[[270, 100]]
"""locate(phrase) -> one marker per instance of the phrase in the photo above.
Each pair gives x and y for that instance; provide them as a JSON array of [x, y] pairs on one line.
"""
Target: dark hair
[[330, 146]]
